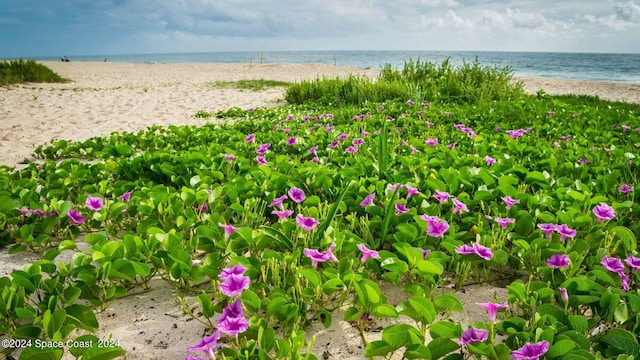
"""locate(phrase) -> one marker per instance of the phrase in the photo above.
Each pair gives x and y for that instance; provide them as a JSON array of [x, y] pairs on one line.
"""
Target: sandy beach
[[107, 97], [116, 97]]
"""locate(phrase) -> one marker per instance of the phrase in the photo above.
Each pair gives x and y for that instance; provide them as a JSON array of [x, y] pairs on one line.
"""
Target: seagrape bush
[[277, 219]]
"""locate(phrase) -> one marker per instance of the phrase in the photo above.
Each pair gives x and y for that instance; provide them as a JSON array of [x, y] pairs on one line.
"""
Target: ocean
[[579, 66]]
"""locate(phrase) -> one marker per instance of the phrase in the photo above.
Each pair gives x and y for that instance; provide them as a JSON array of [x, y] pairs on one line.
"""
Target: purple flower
[[313, 150], [351, 149], [558, 261], [343, 136], [263, 148], [235, 270], [437, 228], [452, 145], [233, 326], [207, 345], [368, 200], [261, 160], [531, 351], [464, 249], [291, 141], [401, 209], [250, 138], [504, 222], [126, 197], [232, 310], [393, 187], [625, 189], [612, 264], [547, 228], [229, 157], [431, 142], [509, 201], [490, 161], [411, 191], [233, 285], [482, 251], [317, 256], [409, 102], [334, 144], [425, 253], [459, 206], [492, 308], [633, 262], [94, 203], [563, 294], [278, 201], [367, 253], [357, 142], [604, 212], [565, 232], [75, 216], [297, 195], [228, 229], [441, 196], [515, 134], [282, 214], [306, 223], [472, 335]]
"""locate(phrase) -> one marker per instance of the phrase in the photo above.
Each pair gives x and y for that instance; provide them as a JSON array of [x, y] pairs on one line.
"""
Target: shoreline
[[128, 97]]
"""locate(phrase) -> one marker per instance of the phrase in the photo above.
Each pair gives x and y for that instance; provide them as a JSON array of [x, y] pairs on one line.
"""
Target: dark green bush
[[20, 71]]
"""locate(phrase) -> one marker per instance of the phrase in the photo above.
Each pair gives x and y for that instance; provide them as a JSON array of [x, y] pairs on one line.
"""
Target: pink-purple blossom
[[431, 142], [277, 202], [477, 249], [228, 229], [282, 214], [208, 345], [306, 223], [261, 160], [411, 191], [367, 253], [233, 326], [368, 200], [401, 209], [612, 264], [441, 196], [94, 203], [317, 256], [250, 138], [436, 227], [75, 216], [558, 261], [297, 195], [531, 351], [509, 201], [490, 161], [563, 294], [633, 262], [234, 285], [126, 197], [238, 269], [459, 206], [604, 212], [547, 228], [493, 308], [504, 222], [229, 157], [565, 231], [625, 189], [472, 335]]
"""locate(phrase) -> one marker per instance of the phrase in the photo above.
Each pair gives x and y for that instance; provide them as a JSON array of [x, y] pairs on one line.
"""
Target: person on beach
[[64, 58]]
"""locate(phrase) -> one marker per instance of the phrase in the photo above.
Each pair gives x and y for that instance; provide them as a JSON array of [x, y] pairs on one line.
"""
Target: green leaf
[[400, 335], [417, 351], [578, 323], [82, 316], [627, 237], [442, 346], [33, 353], [446, 329], [103, 353], [384, 311], [378, 348], [332, 285], [446, 302], [206, 304], [622, 340], [560, 348], [251, 300]]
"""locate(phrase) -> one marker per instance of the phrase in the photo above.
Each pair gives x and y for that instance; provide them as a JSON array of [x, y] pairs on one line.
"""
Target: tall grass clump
[[417, 80], [20, 71]]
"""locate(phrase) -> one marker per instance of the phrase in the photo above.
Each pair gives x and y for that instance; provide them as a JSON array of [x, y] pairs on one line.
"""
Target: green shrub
[[20, 71], [418, 81]]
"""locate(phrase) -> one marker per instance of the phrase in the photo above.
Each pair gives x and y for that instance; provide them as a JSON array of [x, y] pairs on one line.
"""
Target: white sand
[[107, 97]]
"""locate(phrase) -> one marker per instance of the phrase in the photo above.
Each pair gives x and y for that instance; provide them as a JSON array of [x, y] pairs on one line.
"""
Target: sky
[[32, 28]]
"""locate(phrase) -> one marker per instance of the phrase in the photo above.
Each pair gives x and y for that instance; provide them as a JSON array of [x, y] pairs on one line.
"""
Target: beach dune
[[105, 97]]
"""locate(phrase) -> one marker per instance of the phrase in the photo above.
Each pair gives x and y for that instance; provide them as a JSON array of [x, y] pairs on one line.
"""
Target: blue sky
[[105, 27]]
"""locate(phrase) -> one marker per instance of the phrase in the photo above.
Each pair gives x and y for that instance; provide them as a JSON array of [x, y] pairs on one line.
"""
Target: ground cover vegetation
[[21, 71], [430, 179]]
